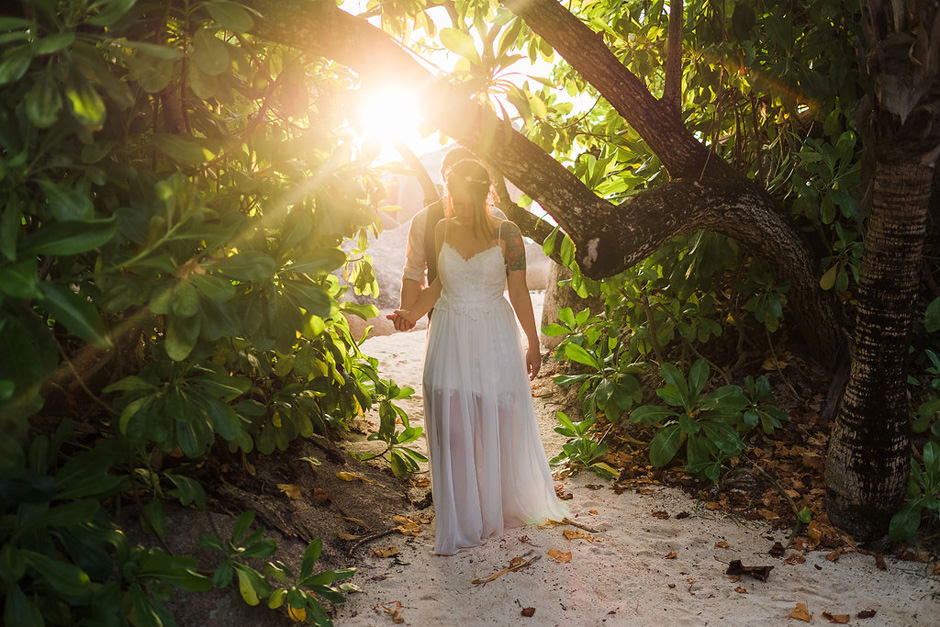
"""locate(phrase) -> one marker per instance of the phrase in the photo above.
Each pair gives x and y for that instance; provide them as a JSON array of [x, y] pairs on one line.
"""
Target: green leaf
[[10, 221], [580, 355], [932, 316], [131, 383], [215, 288], [43, 102], [78, 314], [85, 102], [242, 524], [312, 298], [20, 280], [311, 555], [210, 53], [674, 377], [223, 575], [698, 377], [69, 237], [14, 63], [906, 521], [188, 490], [185, 301], [325, 260], [723, 436], [65, 578], [664, 445], [249, 266], [250, 585], [651, 414], [54, 43], [554, 329], [155, 517], [224, 419], [461, 43], [230, 15], [69, 203], [19, 610], [109, 11], [182, 333], [184, 150]]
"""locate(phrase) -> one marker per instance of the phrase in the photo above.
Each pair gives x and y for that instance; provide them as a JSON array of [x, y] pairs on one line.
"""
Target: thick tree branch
[[585, 50], [672, 92]]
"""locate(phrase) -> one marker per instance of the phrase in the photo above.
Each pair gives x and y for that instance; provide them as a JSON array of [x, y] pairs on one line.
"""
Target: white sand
[[628, 574]]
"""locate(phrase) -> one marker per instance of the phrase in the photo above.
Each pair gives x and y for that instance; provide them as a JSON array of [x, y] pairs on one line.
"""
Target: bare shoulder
[[508, 230]]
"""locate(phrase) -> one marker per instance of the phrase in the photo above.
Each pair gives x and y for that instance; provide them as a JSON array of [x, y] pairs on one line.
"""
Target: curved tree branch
[[585, 50], [672, 92]]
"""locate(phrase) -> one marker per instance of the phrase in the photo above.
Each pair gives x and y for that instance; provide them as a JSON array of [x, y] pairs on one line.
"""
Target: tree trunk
[[867, 467], [558, 297]]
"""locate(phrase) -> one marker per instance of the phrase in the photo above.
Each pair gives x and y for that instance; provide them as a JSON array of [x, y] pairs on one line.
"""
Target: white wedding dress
[[488, 467]]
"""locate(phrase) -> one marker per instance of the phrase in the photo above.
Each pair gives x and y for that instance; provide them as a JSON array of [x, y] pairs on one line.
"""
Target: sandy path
[[639, 570]]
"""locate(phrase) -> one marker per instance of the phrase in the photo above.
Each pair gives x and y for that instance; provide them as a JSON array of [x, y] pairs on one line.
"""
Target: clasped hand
[[401, 318]]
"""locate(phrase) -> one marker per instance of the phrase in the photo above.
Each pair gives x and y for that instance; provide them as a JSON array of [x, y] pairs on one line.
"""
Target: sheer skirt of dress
[[488, 467]]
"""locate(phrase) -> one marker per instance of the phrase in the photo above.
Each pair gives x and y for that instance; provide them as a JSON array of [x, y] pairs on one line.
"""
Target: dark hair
[[469, 182], [454, 155]]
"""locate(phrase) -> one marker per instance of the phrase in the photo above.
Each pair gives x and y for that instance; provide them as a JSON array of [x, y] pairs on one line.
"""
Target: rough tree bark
[[867, 465]]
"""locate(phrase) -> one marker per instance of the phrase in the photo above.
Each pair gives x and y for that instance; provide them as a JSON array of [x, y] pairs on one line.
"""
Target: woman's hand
[[533, 361], [400, 322]]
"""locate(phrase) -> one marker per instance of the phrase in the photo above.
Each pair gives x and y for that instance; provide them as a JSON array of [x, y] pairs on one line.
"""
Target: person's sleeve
[[415, 259]]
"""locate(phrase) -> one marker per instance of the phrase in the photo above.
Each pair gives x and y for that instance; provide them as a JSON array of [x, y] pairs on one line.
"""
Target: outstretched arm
[[519, 294], [422, 302]]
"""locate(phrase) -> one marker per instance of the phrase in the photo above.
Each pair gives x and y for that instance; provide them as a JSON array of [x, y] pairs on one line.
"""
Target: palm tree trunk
[[867, 467]]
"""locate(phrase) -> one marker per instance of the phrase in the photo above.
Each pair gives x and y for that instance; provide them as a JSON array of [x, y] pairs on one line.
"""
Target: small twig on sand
[[568, 521], [517, 566], [370, 538], [796, 512]]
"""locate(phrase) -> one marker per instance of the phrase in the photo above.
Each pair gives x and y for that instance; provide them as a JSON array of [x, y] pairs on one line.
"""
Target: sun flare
[[390, 115]]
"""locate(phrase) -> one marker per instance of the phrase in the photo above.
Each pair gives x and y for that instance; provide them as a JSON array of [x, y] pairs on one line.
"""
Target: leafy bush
[[581, 451], [403, 459], [923, 494], [709, 425]]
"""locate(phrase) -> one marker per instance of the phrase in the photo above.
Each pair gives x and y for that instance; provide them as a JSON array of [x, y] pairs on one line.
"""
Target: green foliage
[[609, 385], [274, 584], [927, 413], [581, 451], [64, 560], [923, 491], [709, 425], [404, 460]]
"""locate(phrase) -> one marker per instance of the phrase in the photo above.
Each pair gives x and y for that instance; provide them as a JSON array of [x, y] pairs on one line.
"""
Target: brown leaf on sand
[[322, 496], [712, 505], [777, 550], [758, 572], [291, 490], [560, 556], [833, 556], [794, 558], [866, 614], [800, 612], [767, 514], [661, 514], [528, 612], [593, 512], [721, 544], [393, 609], [577, 534], [388, 551], [740, 590], [353, 476], [936, 569], [561, 494], [671, 555], [406, 526], [814, 532], [838, 619]]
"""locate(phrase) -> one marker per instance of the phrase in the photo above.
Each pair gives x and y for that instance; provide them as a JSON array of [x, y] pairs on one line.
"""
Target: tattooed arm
[[514, 253]]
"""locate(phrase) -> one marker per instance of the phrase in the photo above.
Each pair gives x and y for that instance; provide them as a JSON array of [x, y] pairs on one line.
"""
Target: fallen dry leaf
[[814, 532], [594, 513], [671, 555], [794, 558], [423, 482], [712, 506], [515, 563], [767, 514], [936, 569], [322, 496], [758, 572], [800, 612], [347, 536], [777, 550], [353, 476], [838, 619], [880, 562], [388, 551], [393, 609], [740, 590], [561, 494], [560, 556], [528, 612], [577, 534], [833, 556], [291, 490], [660, 514], [721, 544], [734, 578], [866, 614]]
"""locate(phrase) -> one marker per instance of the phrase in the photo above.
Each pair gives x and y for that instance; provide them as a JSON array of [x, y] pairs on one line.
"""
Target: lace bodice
[[471, 285]]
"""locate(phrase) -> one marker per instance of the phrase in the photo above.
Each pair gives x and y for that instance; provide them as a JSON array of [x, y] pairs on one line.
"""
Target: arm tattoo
[[515, 249]]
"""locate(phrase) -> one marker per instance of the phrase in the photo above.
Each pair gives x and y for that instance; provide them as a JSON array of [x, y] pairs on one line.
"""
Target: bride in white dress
[[488, 467]]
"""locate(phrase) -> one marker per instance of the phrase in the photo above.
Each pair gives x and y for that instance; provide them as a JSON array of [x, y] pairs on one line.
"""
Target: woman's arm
[[514, 253], [426, 299]]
